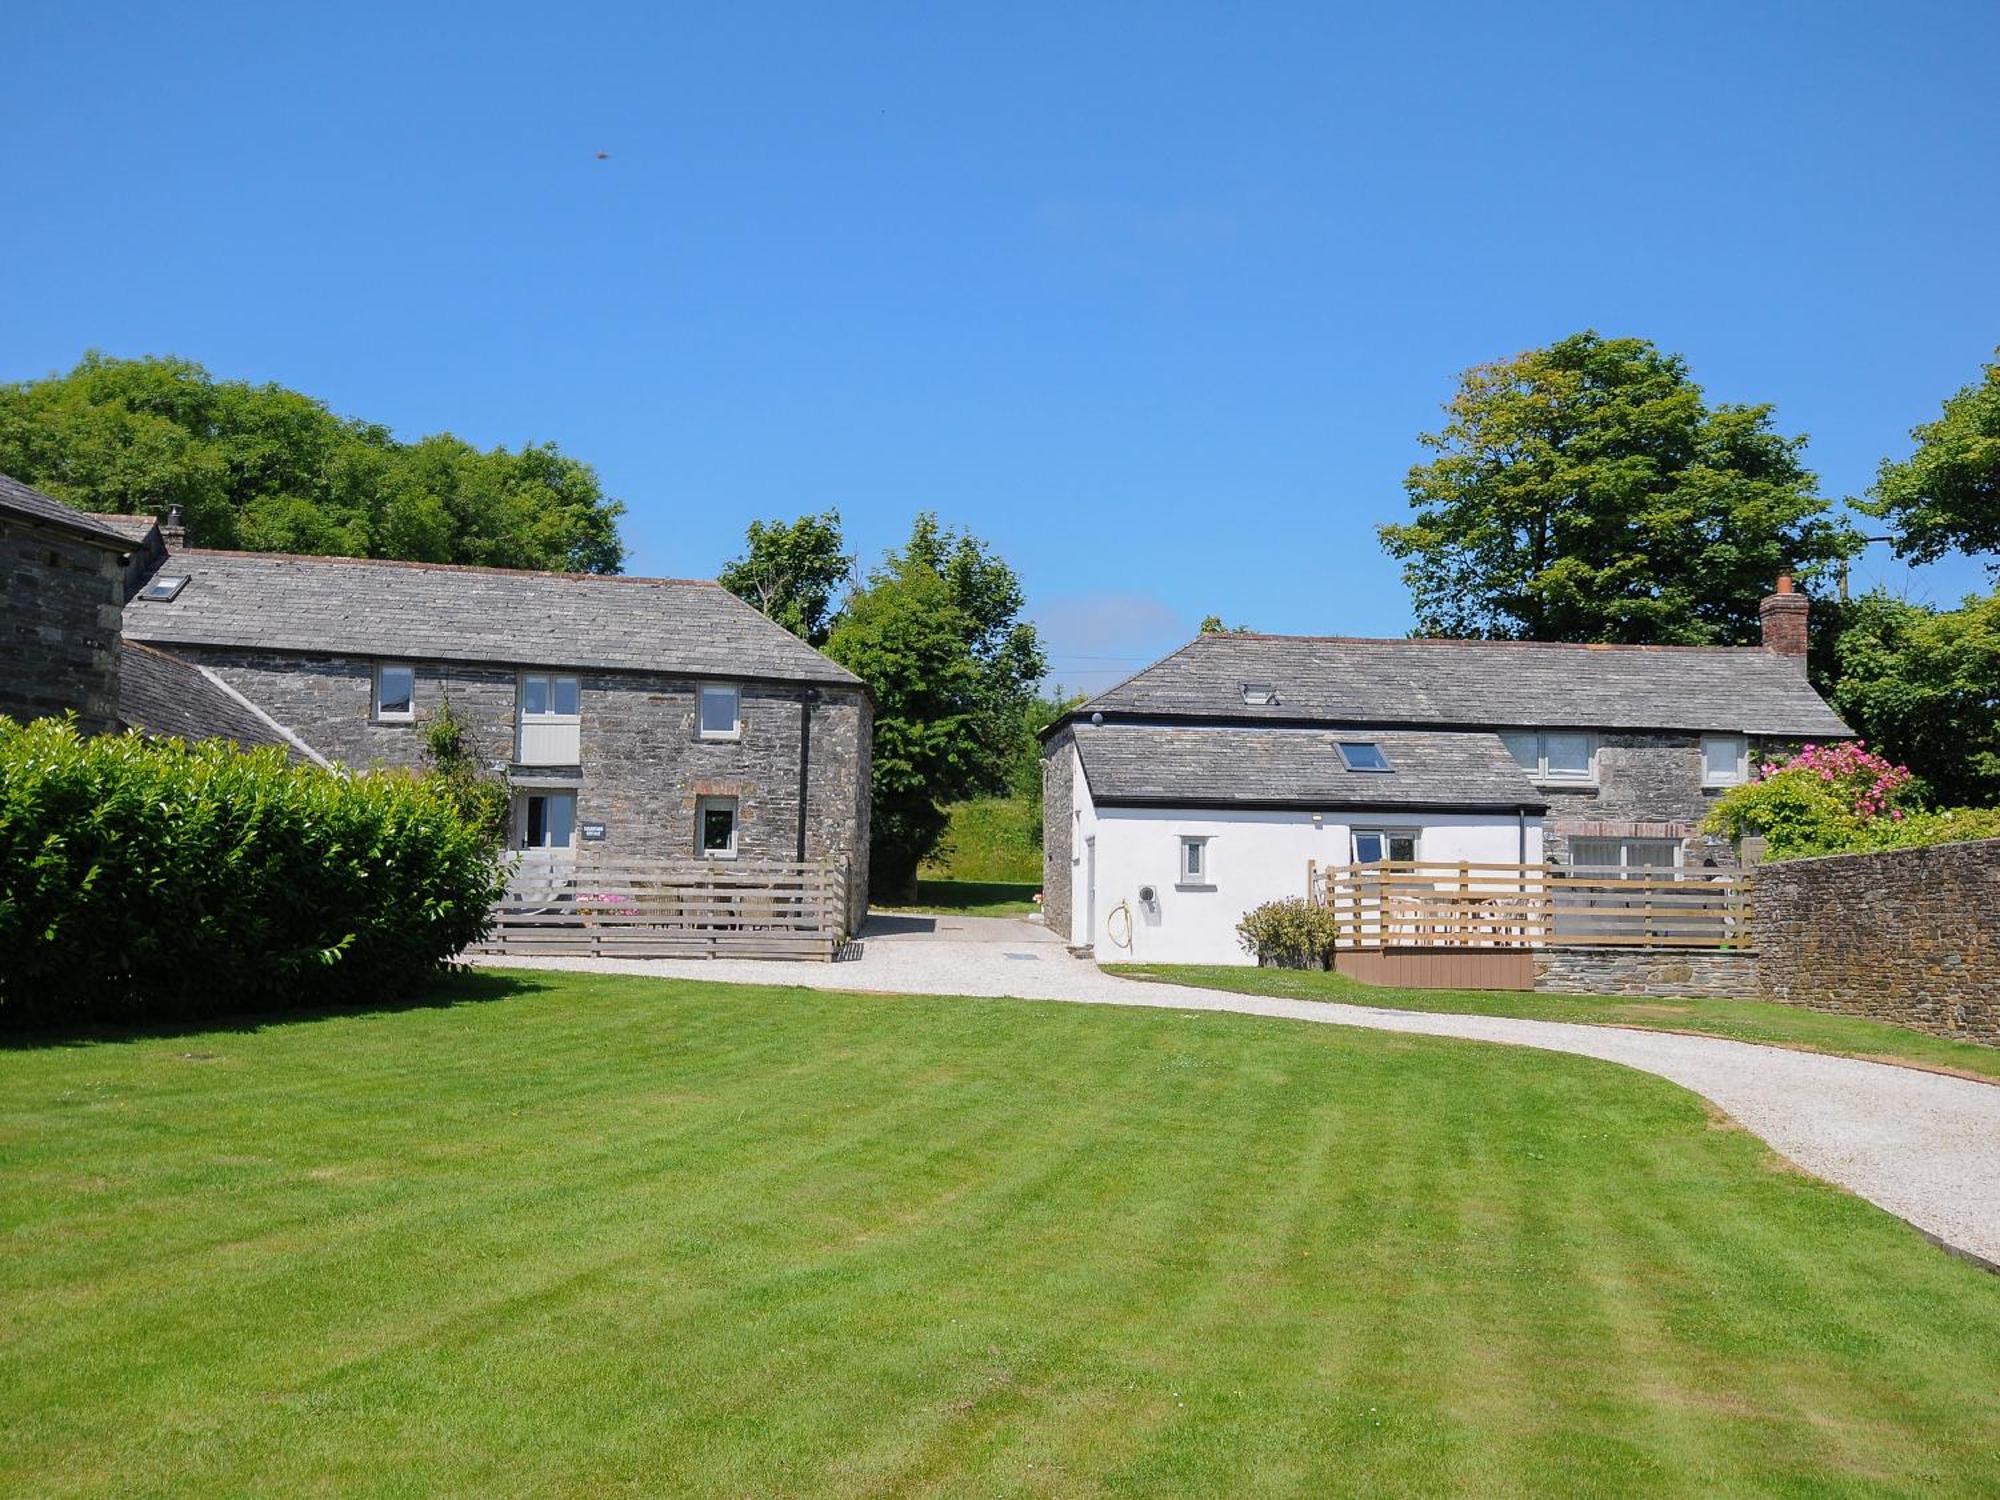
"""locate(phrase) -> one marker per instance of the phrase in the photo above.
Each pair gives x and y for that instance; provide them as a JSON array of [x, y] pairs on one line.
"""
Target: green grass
[[991, 839], [1743, 1020], [971, 898], [581, 1236]]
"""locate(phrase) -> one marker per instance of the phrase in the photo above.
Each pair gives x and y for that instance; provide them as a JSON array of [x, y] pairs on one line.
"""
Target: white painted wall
[[1253, 857]]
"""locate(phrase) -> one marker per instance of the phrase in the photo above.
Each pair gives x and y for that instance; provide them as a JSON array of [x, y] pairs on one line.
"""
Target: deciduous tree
[[271, 469], [794, 572], [1588, 492], [1946, 496]]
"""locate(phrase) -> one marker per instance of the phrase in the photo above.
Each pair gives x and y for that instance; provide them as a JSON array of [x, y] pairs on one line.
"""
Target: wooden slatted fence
[[1430, 904], [637, 908]]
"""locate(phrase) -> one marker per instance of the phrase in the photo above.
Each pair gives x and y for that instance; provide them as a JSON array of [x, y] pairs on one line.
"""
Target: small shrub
[[1291, 934], [452, 754], [153, 880]]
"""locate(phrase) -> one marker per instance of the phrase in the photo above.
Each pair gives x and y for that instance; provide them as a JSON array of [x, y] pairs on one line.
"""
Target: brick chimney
[[173, 531], [1784, 619]]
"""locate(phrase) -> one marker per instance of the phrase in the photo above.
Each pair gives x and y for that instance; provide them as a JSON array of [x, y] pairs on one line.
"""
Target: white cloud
[[1096, 639]]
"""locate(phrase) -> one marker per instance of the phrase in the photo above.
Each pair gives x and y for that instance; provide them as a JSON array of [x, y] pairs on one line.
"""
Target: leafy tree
[[1588, 492], [936, 633], [794, 573], [1924, 687], [1212, 625], [1946, 495], [271, 469]]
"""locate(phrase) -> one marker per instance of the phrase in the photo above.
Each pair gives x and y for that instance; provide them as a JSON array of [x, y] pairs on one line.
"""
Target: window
[[1363, 755], [1373, 845], [715, 827], [1630, 855], [1194, 864], [721, 713], [1260, 694], [395, 693], [1554, 755], [548, 732], [163, 588], [547, 820], [1725, 759]]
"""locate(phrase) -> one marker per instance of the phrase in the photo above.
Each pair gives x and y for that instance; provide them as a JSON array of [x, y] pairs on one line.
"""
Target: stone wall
[[61, 602], [1662, 973], [1649, 786], [1058, 824], [643, 766], [1906, 935]]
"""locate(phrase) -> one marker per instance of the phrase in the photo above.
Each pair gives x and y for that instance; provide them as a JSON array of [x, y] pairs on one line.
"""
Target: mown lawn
[[580, 1236], [971, 898], [1742, 1020]]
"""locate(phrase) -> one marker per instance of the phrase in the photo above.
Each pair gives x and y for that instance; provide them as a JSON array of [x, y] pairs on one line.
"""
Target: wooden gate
[[634, 908]]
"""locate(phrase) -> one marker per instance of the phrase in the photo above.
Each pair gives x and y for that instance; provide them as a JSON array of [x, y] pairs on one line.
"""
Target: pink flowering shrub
[[1822, 800]]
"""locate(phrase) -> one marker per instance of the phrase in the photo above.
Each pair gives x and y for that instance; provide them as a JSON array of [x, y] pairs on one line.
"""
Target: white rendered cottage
[[1211, 780]]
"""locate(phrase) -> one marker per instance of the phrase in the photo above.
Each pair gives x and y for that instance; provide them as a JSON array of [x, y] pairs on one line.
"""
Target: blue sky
[[1154, 297]]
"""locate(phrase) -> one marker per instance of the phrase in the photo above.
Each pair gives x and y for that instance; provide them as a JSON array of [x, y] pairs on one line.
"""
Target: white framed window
[[721, 712], [549, 720], [1725, 759], [1374, 845], [1195, 870], [1557, 755], [545, 820], [1363, 755], [1629, 856], [395, 693], [715, 828]]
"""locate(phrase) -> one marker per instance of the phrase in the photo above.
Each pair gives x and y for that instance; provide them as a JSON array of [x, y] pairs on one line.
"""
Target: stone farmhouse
[[632, 717], [1212, 778]]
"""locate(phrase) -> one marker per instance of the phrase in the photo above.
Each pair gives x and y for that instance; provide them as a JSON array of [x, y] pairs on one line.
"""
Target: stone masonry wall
[[1662, 973], [1649, 786], [643, 766], [1058, 822], [61, 602], [1906, 935]]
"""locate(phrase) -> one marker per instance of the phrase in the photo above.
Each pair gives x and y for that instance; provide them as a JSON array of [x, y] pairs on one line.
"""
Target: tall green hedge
[[144, 880]]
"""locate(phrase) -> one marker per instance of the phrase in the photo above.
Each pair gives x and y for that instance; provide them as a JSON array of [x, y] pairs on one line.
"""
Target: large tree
[[794, 572], [271, 469], [1923, 687], [1588, 492], [1946, 495], [936, 633]]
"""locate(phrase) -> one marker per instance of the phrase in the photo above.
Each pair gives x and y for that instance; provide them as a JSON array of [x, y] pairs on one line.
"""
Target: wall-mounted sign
[[593, 833]]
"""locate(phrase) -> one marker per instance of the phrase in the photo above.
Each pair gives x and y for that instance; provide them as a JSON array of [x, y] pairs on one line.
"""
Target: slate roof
[[430, 612], [1253, 766], [134, 529], [23, 500], [1471, 684], [160, 694]]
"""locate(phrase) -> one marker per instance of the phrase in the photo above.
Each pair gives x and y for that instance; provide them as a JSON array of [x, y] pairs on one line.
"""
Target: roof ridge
[[401, 562], [1445, 640]]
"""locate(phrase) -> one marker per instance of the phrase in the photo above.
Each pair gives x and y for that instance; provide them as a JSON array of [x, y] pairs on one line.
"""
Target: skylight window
[[1260, 694], [161, 589], [1363, 755]]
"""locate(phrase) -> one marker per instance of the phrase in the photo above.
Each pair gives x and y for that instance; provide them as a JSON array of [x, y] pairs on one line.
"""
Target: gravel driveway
[[1923, 1146]]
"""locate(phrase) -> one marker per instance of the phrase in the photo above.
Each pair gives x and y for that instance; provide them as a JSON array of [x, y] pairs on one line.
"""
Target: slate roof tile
[[1271, 766], [431, 612], [24, 500], [1471, 684]]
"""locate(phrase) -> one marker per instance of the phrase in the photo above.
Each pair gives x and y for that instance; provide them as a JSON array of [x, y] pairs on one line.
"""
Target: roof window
[[163, 588], [1260, 694], [1363, 755]]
